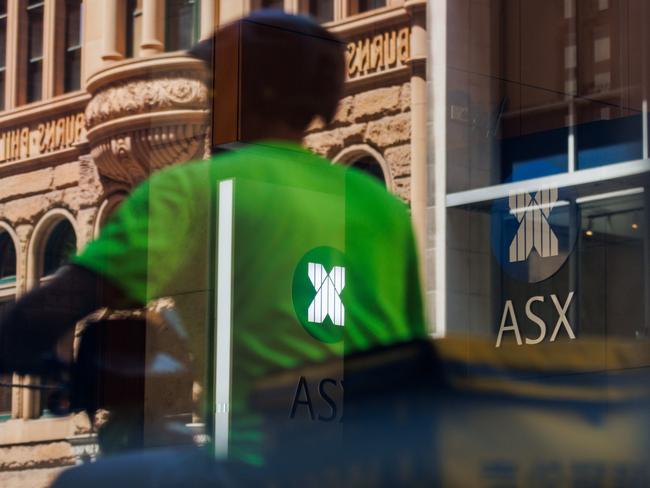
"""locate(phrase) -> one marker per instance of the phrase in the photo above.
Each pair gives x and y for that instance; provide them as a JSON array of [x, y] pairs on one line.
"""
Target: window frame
[[4, 17], [8, 293], [132, 12], [196, 26], [353, 8], [66, 50], [26, 60]]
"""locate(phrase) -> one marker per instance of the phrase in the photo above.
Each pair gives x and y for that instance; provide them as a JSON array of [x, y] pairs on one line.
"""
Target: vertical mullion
[[196, 21], [3, 74], [223, 325], [50, 53], [571, 142], [644, 125]]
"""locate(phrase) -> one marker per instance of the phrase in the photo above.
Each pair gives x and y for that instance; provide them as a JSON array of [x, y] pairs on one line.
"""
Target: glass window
[[539, 95], [360, 6], [7, 259], [181, 24], [609, 82], [598, 269], [133, 27], [370, 166], [537, 89], [321, 10], [273, 4], [611, 252], [7, 291], [5, 391], [3, 51], [34, 50], [60, 247], [72, 75]]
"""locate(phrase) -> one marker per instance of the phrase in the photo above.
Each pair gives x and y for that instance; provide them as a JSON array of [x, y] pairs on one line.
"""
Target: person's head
[[273, 73]]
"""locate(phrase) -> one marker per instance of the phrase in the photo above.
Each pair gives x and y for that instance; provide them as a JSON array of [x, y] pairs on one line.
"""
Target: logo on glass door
[[532, 212], [533, 233], [318, 291]]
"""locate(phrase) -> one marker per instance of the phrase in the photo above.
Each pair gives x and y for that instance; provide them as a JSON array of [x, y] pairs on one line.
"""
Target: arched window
[[371, 166], [7, 259], [107, 209], [61, 245], [7, 297]]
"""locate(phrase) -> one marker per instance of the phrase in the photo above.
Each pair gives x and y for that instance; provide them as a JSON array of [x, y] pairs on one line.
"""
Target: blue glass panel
[[609, 141], [534, 155]]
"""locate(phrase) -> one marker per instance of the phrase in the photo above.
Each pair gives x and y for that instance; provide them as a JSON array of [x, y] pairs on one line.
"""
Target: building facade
[[97, 94]]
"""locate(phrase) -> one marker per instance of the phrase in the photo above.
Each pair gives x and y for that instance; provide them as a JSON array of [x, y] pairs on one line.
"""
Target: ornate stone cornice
[[145, 115], [178, 90]]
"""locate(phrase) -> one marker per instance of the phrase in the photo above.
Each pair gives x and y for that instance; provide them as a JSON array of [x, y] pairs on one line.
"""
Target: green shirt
[[297, 217]]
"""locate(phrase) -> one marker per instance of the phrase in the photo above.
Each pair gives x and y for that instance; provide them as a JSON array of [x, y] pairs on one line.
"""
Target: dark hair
[[290, 68]]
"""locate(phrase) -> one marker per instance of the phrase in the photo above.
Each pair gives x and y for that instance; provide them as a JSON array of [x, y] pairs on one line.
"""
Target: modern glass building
[[540, 169]]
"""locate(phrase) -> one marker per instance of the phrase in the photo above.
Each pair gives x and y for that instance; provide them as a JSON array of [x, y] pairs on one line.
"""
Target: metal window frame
[[561, 180]]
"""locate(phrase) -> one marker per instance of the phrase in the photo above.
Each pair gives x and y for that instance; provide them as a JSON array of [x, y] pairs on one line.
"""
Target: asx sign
[[509, 321], [532, 236]]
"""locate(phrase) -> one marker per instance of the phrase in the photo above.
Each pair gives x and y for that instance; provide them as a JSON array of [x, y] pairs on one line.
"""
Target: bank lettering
[[42, 138], [381, 52], [510, 324]]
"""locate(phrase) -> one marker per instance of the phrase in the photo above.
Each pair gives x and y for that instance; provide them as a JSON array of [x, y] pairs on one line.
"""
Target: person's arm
[[30, 329]]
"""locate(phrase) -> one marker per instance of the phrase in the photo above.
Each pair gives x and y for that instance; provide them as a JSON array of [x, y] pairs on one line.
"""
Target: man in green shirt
[[319, 259]]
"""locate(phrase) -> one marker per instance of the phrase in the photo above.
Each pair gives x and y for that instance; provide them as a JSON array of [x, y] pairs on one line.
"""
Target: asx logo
[[327, 302], [534, 232]]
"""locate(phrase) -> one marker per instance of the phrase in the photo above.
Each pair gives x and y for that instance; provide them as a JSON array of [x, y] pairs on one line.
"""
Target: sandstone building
[[97, 94]]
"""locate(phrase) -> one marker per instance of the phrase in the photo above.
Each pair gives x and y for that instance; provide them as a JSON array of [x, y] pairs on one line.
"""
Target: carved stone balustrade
[[146, 114]]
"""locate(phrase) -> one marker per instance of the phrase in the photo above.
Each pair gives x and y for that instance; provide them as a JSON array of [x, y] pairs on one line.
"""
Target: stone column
[[292, 6], [110, 26], [419, 177], [13, 71], [343, 7], [230, 10], [52, 62], [21, 238], [152, 27], [208, 18]]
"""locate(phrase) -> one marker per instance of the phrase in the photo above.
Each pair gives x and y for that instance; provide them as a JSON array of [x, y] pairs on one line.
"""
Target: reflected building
[[97, 94], [542, 96]]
